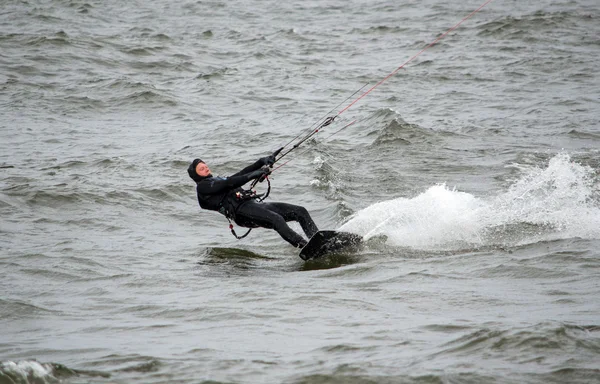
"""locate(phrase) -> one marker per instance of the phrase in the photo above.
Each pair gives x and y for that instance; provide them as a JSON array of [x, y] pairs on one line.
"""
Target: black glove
[[259, 174], [270, 160]]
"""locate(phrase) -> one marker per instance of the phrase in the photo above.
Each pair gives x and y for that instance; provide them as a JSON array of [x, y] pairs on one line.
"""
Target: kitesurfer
[[226, 196]]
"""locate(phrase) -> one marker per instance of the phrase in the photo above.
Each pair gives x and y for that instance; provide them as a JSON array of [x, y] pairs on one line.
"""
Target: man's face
[[202, 169]]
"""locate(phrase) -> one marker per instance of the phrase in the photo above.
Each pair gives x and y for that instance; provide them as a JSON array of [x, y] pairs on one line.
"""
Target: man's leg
[[291, 212], [257, 213]]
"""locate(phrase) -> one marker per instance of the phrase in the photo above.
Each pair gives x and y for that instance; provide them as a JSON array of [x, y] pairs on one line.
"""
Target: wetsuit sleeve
[[251, 168], [214, 186]]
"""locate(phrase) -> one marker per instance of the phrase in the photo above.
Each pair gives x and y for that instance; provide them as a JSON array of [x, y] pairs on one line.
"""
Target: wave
[[60, 39], [584, 134], [531, 344], [328, 177], [143, 51], [348, 375], [560, 201], [219, 253], [399, 131], [31, 371], [215, 73], [147, 98], [390, 129], [12, 309], [125, 92], [540, 21], [379, 30], [67, 187]]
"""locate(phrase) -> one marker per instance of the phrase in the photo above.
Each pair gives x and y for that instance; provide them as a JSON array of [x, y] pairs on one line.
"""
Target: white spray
[[556, 202]]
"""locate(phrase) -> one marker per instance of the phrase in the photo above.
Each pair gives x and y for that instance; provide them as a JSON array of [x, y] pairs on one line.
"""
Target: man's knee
[[302, 211], [278, 222]]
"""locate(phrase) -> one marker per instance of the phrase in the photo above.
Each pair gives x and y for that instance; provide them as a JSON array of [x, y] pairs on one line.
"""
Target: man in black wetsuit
[[225, 195]]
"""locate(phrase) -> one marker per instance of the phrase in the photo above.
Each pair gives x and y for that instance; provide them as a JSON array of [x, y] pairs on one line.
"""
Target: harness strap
[[235, 234], [247, 195], [263, 196]]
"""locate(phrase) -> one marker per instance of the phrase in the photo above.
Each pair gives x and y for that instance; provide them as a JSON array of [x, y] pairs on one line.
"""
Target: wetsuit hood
[[192, 171]]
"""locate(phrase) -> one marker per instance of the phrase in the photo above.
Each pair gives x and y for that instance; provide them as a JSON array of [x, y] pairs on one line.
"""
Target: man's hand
[[259, 174], [267, 172], [270, 160]]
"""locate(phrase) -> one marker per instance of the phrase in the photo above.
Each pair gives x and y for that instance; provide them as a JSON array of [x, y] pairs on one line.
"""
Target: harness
[[244, 195]]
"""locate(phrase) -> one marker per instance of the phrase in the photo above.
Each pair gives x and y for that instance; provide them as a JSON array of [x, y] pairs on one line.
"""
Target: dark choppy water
[[473, 173]]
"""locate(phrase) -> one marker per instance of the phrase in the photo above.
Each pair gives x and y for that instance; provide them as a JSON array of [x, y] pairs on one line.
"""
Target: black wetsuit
[[225, 195]]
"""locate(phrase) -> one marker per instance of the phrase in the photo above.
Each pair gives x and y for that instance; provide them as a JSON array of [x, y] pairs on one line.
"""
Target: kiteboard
[[324, 242]]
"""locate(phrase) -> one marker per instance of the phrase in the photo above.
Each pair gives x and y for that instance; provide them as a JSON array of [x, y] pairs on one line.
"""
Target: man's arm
[[268, 160], [213, 185], [251, 168]]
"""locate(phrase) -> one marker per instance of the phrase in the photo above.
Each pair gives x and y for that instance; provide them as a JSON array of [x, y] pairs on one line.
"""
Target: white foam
[[27, 370], [559, 200], [318, 161]]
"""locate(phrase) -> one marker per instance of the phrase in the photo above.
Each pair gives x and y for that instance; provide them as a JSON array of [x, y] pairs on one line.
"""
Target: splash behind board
[[324, 242]]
